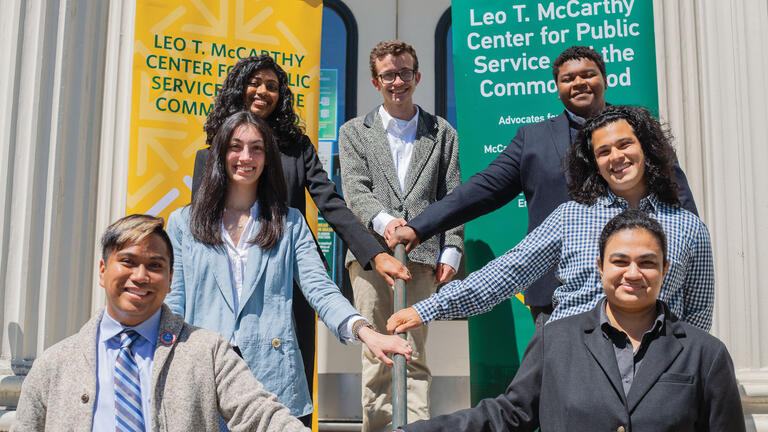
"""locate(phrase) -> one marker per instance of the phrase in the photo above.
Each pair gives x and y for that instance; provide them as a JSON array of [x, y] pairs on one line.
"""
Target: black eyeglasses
[[405, 75]]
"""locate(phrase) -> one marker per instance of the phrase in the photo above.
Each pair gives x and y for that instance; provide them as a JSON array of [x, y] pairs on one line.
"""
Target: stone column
[[712, 58], [51, 88]]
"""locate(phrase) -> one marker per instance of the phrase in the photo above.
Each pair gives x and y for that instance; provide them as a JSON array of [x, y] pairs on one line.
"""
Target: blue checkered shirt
[[569, 238]]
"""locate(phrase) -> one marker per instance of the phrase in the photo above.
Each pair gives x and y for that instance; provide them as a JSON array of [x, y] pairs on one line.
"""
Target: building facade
[[65, 90]]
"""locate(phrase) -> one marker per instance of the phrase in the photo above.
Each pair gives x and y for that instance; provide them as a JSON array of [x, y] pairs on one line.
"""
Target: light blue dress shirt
[[107, 348]]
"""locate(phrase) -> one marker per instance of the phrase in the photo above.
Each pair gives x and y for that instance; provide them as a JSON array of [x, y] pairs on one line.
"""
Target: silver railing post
[[399, 405]]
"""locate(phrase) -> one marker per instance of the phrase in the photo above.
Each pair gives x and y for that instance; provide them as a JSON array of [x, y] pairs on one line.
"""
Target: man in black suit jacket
[[534, 164], [627, 365]]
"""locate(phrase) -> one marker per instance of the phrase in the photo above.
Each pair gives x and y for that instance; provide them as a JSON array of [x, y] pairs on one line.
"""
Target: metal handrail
[[399, 396]]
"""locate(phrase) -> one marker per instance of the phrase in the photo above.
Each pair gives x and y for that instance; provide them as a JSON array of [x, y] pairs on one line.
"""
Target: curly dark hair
[[577, 52], [207, 206], [585, 184], [231, 99]]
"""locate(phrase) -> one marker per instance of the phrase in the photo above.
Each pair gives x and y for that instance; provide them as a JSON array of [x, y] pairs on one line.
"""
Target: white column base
[[757, 422], [6, 419]]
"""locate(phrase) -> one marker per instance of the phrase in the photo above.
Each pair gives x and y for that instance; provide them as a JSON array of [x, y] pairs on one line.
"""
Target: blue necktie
[[128, 417]]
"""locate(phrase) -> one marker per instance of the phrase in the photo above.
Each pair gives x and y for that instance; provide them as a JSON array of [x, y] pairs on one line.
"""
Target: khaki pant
[[374, 299]]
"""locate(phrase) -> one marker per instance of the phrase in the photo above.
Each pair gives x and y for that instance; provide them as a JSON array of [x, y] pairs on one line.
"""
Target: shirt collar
[[255, 209], [607, 327], [109, 328], [397, 126], [254, 216], [578, 119], [649, 203]]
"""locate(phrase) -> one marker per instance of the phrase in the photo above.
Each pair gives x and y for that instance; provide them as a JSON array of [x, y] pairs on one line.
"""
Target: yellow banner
[[182, 53]]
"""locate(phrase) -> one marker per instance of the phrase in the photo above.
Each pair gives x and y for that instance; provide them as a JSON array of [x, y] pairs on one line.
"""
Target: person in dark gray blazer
[[533, 163], [628, 365]]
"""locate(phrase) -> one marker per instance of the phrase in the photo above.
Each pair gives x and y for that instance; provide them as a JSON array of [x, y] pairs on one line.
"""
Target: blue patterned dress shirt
[[568, 239], [107, 348]]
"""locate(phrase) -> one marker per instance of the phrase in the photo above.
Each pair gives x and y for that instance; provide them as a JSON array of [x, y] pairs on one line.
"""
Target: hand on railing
[[390, 268], [405, 235], [404, 320], [392, 226], [382, 345]]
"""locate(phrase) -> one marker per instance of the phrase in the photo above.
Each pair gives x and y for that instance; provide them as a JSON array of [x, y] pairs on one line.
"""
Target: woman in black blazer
[[261, 86], [628, 365]]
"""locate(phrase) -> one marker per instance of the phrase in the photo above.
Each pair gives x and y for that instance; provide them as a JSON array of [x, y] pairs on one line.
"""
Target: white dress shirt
[[401, 135], [238, 260]]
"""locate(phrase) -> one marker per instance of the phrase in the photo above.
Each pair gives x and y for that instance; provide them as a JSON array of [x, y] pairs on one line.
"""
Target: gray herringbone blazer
[[194, 379], [370, 181]]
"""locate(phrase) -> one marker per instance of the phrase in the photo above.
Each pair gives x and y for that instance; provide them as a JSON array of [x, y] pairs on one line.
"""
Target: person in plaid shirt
[[622, 159]]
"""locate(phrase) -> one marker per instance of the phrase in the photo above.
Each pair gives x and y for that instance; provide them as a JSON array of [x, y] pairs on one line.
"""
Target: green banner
[[503, 53], [326, 238]]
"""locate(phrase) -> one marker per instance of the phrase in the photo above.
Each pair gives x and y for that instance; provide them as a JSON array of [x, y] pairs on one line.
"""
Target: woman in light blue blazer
[[238, 248]]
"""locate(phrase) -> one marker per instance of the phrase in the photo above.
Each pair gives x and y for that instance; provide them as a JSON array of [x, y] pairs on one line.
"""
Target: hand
[[404, 320], [444, 273], [405, 235], [381, 345], [390, 268], [391, 227]]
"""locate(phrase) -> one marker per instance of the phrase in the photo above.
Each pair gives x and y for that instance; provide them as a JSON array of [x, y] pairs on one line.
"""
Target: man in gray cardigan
[[137, 366], [395, 161]]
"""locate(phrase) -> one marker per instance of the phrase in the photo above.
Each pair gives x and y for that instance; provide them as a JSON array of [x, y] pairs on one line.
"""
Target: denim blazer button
[[275, 343]]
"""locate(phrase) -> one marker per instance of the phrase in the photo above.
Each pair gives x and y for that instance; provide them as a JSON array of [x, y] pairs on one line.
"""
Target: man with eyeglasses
[[395, 161]]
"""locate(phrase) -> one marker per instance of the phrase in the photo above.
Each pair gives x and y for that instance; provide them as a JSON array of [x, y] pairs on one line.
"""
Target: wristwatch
[[360, 324]]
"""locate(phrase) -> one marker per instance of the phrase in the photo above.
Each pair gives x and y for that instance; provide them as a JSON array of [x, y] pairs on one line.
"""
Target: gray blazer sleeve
[[450, 174], [243, 402], [355, 176]]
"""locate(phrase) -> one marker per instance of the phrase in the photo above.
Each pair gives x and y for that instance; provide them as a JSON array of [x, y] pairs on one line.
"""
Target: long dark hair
[[231, 99], [207, 206], [585, 184]]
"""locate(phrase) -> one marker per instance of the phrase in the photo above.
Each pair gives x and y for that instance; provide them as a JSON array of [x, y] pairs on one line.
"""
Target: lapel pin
[[167, 338]]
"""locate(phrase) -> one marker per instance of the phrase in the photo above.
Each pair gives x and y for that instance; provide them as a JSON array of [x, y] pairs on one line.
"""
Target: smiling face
[[620, 160], [136, 279], [581, 87], [245, 156], [399, 93], [262, 93], [632, 270]]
